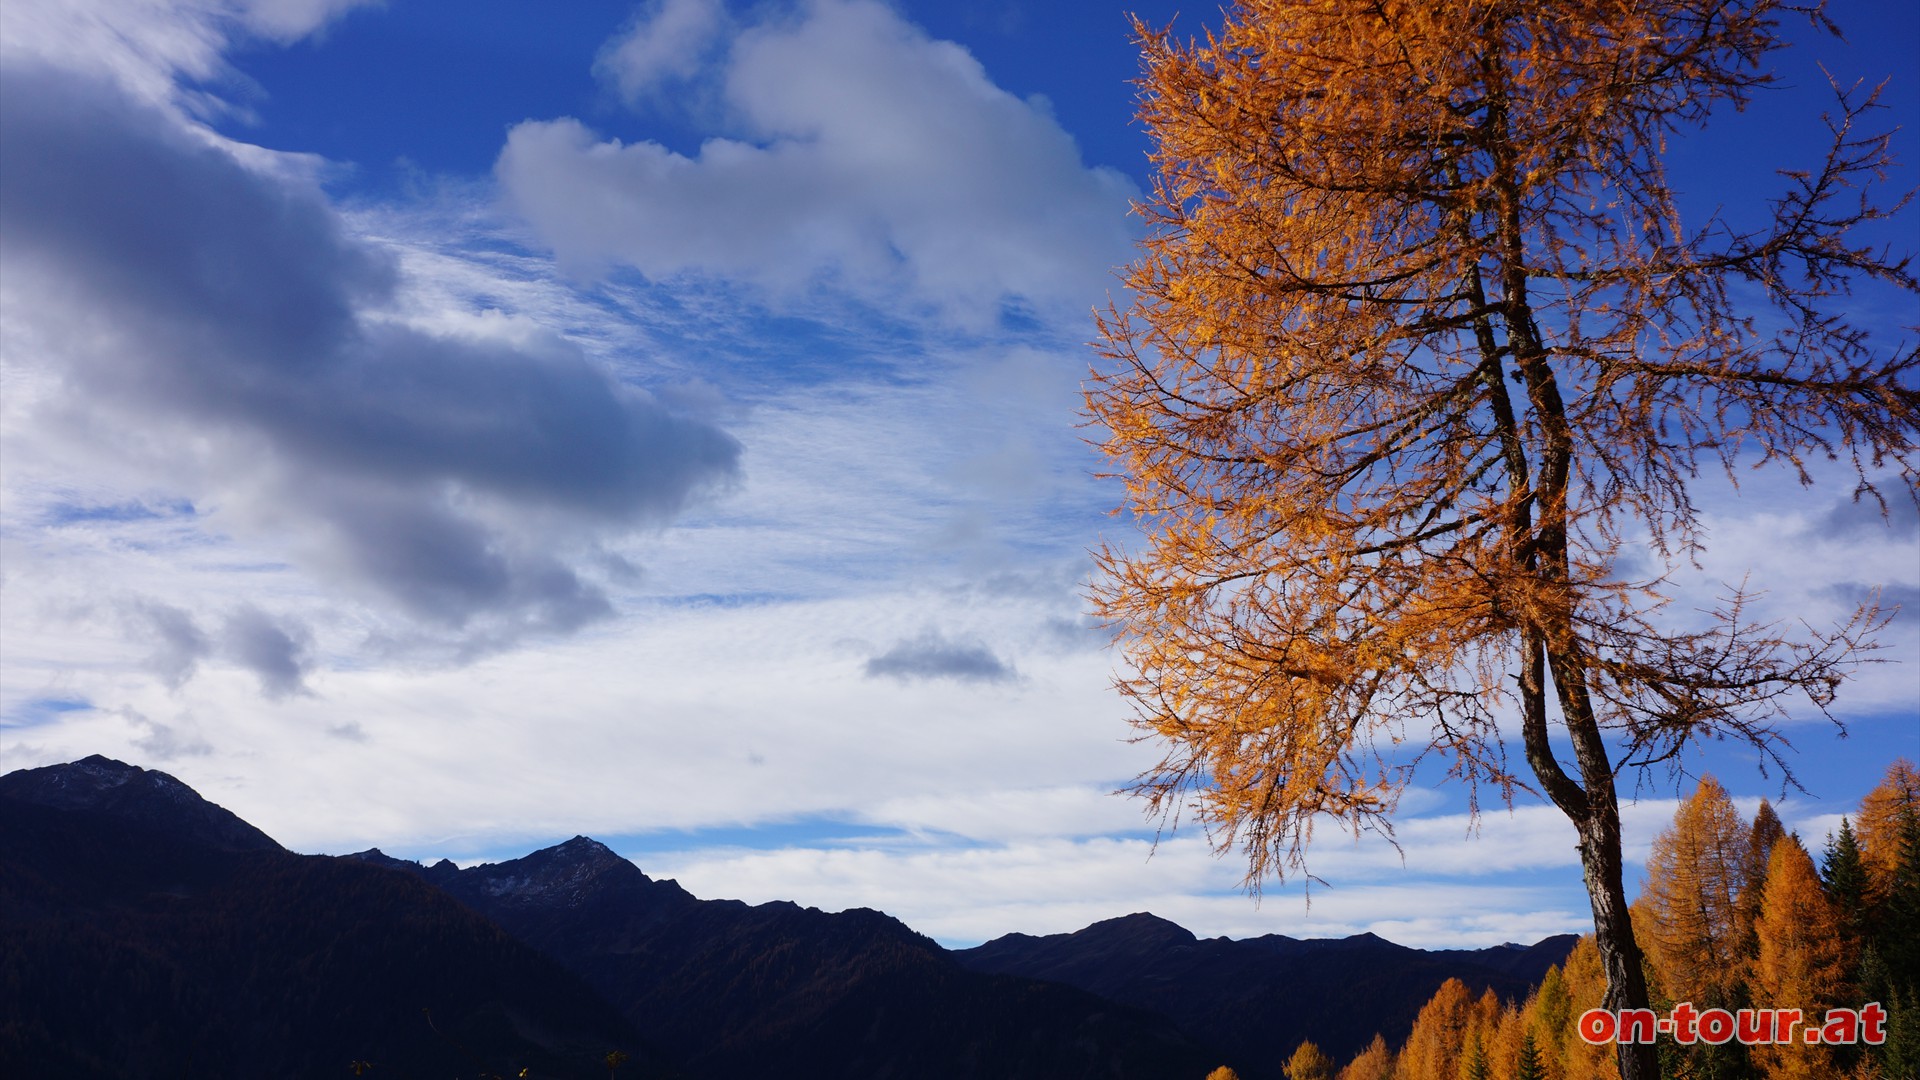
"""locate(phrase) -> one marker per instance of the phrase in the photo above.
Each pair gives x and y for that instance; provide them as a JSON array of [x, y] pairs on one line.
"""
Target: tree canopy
[[1419, 353]]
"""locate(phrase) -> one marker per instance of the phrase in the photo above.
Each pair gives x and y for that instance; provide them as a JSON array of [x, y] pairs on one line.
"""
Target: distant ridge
[[218, 953], [1241, 995], [777, 989]]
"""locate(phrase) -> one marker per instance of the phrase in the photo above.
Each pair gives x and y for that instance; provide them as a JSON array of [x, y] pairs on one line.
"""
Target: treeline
[[1734, 914]]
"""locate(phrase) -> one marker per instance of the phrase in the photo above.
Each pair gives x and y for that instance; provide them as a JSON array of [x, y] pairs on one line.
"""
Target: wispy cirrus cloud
[[154, 48]]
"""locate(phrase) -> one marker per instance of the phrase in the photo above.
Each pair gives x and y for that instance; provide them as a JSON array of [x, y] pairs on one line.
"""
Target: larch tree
[[1437, 1044], [1417, 349], [1550, 1013], [1373, 1063], [1696, 873], [1693, 929], [1765, 832], [1309, 1062], [1483, 1028], [1504, 1039], [1803, 958], [1881, 814], [1586, 986]]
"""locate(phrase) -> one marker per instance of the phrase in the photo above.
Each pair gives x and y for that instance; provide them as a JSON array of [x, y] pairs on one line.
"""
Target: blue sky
[[452, 427]]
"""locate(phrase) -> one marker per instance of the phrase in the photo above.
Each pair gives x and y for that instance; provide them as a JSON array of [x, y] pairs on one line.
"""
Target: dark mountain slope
[[146, 932], [777, 989], [145, 797], [1255, 1000], [146, 945]]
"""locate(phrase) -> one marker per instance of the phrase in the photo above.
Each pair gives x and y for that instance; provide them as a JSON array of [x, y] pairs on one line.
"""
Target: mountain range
[[146, 932]]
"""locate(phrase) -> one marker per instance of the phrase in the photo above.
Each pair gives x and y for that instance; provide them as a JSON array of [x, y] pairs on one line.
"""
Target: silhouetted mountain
[[777, 989], [1254, 1000], [146, 933], [149, 798]]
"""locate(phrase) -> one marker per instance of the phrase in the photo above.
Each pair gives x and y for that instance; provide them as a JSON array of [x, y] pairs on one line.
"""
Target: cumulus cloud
[[932, 656], [667, 40], [865, 152], [218, 324]]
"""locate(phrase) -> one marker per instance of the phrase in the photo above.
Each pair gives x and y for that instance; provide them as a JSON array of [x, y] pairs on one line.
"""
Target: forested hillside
[[1734, 914]]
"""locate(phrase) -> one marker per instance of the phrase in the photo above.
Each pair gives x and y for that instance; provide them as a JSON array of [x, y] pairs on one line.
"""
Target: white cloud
[[894, 475], [668, 40], [1810, 554], [1050, 886], [216, 330], [149, 46], [690, 717], [872, 155]]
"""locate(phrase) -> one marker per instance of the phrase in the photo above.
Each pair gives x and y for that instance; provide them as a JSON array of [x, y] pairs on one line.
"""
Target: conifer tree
[[1900, 1056], [1476, 1063], [1690, 916], [1803, 959], [1891, 972], [1889, 968], [1530, 1066], [1879, 824], [1373, 1063], [1844, 874], [1551, 1014], [1309, 1063], [1899, 928], [1586, 989], [1696, 873], [1417, 340], [1765, 832], [1504, 1036], [1483, 1018], [1438, 1040]]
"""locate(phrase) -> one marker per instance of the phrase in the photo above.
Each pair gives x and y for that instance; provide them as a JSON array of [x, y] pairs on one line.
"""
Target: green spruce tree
[[1530, 1066], [1477, 1061], [1898, 936], [1892, 971], [1845, 877]]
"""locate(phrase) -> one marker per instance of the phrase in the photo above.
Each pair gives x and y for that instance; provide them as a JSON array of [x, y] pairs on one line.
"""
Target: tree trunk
[[1613, 927]]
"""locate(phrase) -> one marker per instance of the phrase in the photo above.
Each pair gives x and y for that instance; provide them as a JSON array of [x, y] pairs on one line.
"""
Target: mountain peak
[[81, 784], [1141, 927], [147, 797], [583, 847], [381, 858], [566, 874]]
